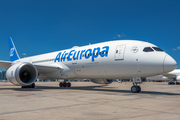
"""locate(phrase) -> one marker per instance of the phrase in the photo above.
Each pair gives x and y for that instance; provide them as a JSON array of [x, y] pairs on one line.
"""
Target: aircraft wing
[[5, 64], [46, 69], [42, 69]]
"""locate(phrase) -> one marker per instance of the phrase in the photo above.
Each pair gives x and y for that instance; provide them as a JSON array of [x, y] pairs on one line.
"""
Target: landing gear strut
[[29, 86], [64, 84], [135, 88]]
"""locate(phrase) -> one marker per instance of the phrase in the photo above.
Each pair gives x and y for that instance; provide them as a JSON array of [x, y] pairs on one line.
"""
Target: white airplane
[[171, 76], [101, 63]]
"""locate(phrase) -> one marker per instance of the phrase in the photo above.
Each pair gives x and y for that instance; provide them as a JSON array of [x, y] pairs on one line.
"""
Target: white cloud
[[178, 48], [119, 35]]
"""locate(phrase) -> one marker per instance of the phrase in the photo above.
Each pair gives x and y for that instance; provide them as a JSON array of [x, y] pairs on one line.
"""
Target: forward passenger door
[[119, 52]]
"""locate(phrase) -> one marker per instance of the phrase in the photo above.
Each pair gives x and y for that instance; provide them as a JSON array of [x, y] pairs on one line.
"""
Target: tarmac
[[89, 101]]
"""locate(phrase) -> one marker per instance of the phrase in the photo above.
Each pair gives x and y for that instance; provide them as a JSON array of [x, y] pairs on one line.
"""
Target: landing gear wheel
[[134, 89], [139, 89], [32, 85], [64, 84], [69, 84], [60, 84], [29, 86], [177, 83], [171, 83]]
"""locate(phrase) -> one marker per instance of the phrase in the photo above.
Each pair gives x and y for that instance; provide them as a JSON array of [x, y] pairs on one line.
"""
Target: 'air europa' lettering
[[77, 55]]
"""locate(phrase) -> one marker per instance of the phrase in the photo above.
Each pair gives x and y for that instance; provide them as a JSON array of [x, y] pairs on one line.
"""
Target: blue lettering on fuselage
[[77, 55], [88, 53], [69, 56]]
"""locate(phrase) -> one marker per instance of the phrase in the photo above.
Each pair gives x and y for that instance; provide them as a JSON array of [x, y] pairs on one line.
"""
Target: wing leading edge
[[46, 69]]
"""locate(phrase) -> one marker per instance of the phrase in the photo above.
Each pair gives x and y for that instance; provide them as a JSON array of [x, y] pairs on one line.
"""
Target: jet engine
[[22, 74], [178, 78], [102, 81]]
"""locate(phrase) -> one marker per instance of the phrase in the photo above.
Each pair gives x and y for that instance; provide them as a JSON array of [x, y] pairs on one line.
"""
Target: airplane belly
[[80, 70], [121, 70]]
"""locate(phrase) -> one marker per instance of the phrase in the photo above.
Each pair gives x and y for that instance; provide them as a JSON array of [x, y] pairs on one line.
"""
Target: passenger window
[[148, 49], [157, 49]]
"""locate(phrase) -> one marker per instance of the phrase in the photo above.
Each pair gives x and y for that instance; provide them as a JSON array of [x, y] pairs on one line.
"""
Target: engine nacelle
[[178, 78], [102, 81], [22, 74]]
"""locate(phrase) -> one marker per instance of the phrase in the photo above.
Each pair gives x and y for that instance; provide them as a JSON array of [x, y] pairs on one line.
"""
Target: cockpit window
[[148, 49], [157, 49]]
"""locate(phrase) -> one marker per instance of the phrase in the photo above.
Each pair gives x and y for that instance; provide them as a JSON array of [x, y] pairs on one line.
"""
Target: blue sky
[[42, 26]]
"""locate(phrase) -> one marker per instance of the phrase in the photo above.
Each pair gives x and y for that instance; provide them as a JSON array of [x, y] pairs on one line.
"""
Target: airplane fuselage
[[108, 60]]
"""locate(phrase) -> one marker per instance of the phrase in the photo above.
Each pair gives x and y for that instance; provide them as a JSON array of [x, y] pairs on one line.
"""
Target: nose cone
[[169, 64]]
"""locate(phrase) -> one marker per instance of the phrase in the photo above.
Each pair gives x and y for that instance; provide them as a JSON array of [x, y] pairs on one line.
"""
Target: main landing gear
[[29, 86], [64, 84], [135, 88], [173, 83]]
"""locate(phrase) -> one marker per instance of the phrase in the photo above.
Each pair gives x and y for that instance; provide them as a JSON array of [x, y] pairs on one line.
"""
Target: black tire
[[24, 86], [134, 89], [139, 89], [60, 84], [171, 83], [69, 84], [33, 85], [64, 84], [177, 83]]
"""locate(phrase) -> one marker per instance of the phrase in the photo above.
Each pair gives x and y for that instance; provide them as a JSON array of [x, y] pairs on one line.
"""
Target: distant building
[[3, 75]]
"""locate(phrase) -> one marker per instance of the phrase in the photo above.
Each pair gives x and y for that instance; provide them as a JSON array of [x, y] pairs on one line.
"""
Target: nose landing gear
[[135, 88]]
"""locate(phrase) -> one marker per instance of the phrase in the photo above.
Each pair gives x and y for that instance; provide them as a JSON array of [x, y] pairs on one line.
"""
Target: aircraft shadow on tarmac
[[89, 88]]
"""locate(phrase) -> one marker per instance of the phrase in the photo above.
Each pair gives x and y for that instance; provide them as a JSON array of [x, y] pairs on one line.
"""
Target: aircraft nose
[[169, 64]]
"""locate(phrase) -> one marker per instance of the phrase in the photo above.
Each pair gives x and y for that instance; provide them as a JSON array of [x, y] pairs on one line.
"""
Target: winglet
[[12, 50]]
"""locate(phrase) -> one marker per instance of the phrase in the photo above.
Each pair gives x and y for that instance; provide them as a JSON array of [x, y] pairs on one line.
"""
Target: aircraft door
[[119, 53]]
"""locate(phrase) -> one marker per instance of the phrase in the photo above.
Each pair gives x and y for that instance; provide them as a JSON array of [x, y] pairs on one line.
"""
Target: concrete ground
[[89, 101]]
